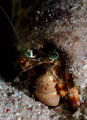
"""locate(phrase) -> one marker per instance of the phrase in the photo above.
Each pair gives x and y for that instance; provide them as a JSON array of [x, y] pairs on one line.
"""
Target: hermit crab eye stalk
[[29, 53], [54, 56]]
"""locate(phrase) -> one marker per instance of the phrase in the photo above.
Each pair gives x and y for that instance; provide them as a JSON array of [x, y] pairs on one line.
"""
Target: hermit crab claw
[[46, 91]]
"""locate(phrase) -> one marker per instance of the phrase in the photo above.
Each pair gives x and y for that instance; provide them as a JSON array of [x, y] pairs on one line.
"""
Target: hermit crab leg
[[73, 92]]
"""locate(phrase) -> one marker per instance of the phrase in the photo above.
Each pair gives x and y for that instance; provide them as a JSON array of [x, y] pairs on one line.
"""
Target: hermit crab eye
[[54, 56], [29, 53]]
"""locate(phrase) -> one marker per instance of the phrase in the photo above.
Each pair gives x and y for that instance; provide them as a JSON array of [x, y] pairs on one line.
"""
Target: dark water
[[8, 54]]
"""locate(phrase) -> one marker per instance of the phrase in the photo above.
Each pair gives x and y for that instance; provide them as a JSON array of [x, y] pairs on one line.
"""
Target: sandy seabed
[[17, 105]]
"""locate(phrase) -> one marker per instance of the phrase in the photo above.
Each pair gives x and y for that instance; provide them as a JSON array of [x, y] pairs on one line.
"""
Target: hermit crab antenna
[[33, 66], [11, 23]]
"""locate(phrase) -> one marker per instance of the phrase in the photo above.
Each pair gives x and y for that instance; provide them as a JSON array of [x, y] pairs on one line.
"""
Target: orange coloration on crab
[[74, 97], [23, 61], [26, 62], [62, 89], [73, 91]]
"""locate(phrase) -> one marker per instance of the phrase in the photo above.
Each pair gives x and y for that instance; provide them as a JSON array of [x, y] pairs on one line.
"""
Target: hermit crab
[[55, 81]]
